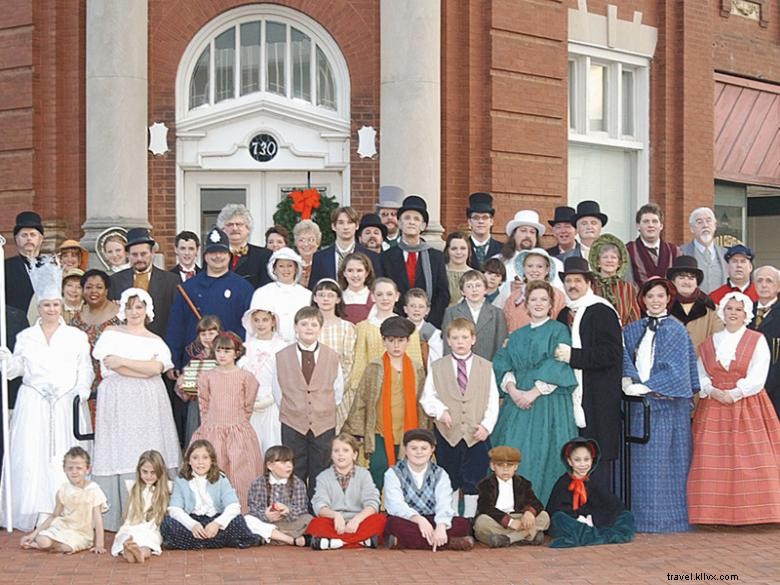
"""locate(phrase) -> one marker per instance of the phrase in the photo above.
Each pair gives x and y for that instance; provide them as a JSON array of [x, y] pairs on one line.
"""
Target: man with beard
[[523, 233], [596, 355], [371, 232], [160, 284], [767, 321], [739, 265], [390, 198], [28, 237], [709, 257]]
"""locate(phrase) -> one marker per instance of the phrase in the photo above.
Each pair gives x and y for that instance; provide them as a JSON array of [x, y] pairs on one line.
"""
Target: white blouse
[[130, 346], [754, 379]]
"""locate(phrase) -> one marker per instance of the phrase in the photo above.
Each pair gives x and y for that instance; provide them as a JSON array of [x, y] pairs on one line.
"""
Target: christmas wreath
[[307, 204]]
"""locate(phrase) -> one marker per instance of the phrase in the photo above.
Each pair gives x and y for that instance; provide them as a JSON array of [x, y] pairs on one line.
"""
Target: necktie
[[307, 363], [187, 274], [653, 254], [480, 252], [141, 280], [237, 253], [411, 267], [463, 378], [760, 314]]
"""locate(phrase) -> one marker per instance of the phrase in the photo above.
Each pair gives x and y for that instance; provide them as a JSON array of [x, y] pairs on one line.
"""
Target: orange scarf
[[579, 495], [410, 403]]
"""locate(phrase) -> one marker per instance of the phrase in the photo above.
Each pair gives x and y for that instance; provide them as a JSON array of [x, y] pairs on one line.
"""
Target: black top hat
[[371, 220], [685, 264], [564, 214], [575, 265], [414, 203], [216, 241], [396, 327], [590, 209], [480, 203], [738, 249], [138, 235], [28, 219]]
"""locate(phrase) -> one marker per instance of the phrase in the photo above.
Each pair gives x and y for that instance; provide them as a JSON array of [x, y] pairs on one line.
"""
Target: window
[[608, 121], [263, 55]]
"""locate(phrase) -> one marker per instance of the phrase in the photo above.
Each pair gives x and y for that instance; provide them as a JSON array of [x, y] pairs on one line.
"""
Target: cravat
[[653, 254], [188, 274], [411, 267], [141, 280], [463, 378], [307, 363], [760, 314], [480, 252]]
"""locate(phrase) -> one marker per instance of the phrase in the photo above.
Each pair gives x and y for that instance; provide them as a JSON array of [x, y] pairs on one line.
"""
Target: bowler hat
[[371, 220], [480, 202], [419, 435], [216, 241], [685, 264], [590, 209], [138, 235], [396, 327], [414, 203], [390, 197], [575, 265], [28, 219], [564, 214], [738, 249]]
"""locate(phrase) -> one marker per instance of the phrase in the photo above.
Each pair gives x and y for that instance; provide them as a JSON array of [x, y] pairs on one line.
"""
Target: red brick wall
[[354, 24], [743, 47]]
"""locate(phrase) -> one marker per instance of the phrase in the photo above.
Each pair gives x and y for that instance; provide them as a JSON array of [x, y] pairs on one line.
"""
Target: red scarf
[[409, 385], [579, 495]]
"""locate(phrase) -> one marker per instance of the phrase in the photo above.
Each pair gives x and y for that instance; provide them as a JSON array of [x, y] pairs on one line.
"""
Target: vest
[[422, 499], [468, 410], [712, 269], [305, 406]]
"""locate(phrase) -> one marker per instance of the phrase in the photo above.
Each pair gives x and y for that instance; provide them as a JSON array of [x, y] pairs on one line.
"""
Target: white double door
[[207, 192]]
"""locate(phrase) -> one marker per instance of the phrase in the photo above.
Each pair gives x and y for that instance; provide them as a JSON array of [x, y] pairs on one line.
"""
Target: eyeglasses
[[306, 240]]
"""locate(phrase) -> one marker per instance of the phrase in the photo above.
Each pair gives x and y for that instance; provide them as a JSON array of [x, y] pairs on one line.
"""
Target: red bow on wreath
[[303, 202]]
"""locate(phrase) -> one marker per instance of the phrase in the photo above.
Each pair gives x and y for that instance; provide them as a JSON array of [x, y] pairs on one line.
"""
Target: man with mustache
[[596, 355], [709, 257]]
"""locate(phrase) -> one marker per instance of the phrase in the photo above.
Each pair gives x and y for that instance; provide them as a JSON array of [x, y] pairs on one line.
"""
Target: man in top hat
[[596, 355], [247, 260], [739, 266], [390, 198], [214, 291], [326, 262], [160, 284], [589, 222], [565, 233], [372, 232], [28, 237], [414, 264], [479, 215], [767, 321], [650, 256], [709, 257]]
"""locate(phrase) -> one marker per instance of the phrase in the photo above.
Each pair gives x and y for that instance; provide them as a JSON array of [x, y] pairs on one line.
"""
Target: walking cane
[[6, 434]]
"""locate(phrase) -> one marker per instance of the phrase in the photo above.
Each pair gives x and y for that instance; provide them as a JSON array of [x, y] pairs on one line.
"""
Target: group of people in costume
[[381, 392]]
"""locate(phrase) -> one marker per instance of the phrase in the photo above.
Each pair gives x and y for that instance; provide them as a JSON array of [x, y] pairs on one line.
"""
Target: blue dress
[[540, 431]]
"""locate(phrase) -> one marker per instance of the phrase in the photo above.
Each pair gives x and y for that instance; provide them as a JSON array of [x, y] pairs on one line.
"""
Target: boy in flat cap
[[417, 499], [508, 511], [386, 400], [460, 394]]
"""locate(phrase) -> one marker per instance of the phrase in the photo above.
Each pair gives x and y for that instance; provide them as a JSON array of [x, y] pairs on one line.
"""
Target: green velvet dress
[[541, 431]]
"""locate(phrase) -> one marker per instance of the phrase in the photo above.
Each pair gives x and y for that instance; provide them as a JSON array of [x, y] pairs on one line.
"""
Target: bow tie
[[242, 251], [653, 322]]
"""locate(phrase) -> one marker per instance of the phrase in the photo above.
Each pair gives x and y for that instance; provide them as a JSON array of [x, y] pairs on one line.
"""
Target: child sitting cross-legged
[[346, 502], [418, 499], [508, 511], [278, 501], [77, 521], [582, 513]]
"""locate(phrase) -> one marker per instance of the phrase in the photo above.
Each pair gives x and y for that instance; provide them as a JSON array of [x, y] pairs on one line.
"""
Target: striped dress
[[735, 471], [340, 336], [227, 400]]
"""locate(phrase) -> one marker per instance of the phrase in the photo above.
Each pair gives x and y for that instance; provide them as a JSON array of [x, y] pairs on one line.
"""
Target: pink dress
[[226, 403]]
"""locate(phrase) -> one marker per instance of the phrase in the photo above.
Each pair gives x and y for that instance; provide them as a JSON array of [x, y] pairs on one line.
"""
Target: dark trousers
[[408, 533], [234, 535], [377, 463], [312, 454], [179, 411], [465, 465]]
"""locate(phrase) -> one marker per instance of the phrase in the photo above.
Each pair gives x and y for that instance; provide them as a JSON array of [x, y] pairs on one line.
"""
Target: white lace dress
[[145, 533]]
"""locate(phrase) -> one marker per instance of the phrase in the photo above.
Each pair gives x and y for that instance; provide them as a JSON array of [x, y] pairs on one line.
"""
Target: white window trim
[[249, 13], [616, 60]]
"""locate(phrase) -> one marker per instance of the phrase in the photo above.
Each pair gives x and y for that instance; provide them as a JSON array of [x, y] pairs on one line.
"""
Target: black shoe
[[498, 541], [319, 543]]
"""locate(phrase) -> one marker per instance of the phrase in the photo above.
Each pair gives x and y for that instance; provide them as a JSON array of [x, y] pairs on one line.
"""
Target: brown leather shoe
[[460, 543]]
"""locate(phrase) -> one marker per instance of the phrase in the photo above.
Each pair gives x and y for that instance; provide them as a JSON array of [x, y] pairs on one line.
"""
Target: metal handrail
[[629, 439], [77, 419]]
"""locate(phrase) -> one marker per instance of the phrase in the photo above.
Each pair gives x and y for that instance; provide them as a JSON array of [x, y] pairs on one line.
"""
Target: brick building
[[538, 101]]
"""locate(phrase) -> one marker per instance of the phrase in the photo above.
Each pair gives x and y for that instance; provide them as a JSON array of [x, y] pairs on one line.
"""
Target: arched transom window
[[264, 54]]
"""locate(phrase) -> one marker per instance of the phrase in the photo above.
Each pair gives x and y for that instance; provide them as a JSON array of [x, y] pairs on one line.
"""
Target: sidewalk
[[751, 553]]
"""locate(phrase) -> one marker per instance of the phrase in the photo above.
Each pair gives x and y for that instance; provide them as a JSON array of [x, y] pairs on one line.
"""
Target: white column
[[116, 104], [410, 101]]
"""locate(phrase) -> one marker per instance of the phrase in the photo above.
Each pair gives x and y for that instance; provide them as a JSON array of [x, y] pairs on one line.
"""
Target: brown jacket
[[525, 499], [361, 421]]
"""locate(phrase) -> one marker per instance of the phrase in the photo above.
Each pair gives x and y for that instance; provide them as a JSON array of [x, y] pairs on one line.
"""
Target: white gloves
[[5, 353], [636, 390], [563, 353]]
